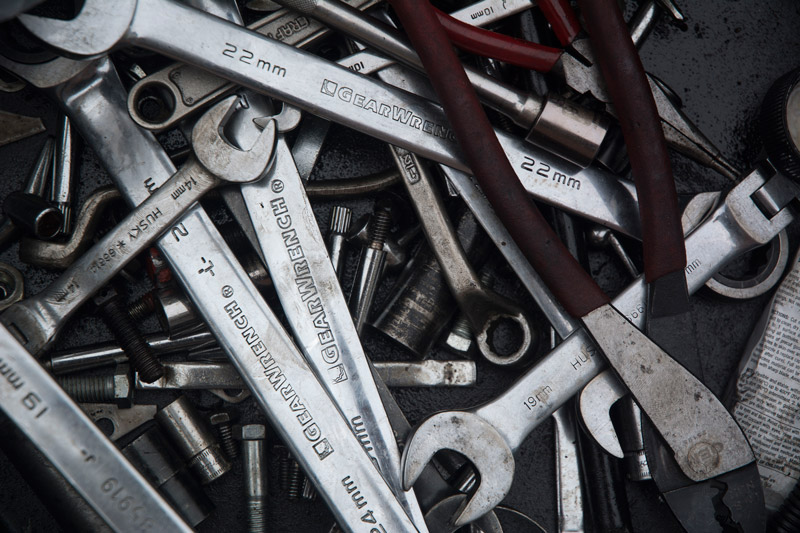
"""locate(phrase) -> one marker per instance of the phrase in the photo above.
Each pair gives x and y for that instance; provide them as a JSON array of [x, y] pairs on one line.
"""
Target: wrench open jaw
[[476, 439], [37, 320], [96, 29]]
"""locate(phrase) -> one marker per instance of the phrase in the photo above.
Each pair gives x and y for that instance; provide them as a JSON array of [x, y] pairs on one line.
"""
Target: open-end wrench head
[[475, 438], [96, 29], [220, 157]]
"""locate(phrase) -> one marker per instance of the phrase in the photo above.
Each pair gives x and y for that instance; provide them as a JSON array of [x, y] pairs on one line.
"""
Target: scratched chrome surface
[[721, 64]]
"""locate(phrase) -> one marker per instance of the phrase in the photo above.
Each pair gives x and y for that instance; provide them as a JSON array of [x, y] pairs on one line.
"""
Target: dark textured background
[[720, 63]]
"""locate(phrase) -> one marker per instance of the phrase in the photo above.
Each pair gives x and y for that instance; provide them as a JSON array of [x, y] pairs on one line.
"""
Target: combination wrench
[[330, 91], [735, 227], [32, 399], [36, 320], [485, 309], [279, 379]]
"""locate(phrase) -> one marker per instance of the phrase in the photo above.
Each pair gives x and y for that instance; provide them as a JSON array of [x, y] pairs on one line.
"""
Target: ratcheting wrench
[[736, 226], [330, 91], [36, 320], [244, 325], [88, 460]]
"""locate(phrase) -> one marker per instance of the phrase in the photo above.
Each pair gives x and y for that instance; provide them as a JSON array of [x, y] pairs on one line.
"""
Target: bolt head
[[123, 386], [220, 418], [458, 343], [250, 432]]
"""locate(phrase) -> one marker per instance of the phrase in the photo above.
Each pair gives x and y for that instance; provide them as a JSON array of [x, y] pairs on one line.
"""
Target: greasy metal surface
[[720, 63]]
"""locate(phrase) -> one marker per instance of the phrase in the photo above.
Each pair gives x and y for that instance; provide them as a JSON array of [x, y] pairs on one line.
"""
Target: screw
[[284, 462], [295, 481], [370, 267], [340, 225], [143, 307], [255, 482], [222, 421], [101, 389], [309, 491], [130, 339]]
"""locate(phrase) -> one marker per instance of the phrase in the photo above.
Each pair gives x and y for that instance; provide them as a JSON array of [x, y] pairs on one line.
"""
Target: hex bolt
[[255, 482], [370, 267], [116, 389], [222, 422], [340, 225], [130, 339], [460, 339], [194, 439], [602, 237]]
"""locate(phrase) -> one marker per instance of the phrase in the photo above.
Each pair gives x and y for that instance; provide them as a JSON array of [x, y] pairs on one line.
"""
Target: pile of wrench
[[251, 338]]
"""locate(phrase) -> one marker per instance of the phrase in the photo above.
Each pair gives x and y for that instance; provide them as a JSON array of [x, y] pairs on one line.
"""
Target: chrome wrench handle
[[190, 88], [310, 424], [735, 227], [36, 320], [485, 309], [32, 399], [365, 105], [316, 309]]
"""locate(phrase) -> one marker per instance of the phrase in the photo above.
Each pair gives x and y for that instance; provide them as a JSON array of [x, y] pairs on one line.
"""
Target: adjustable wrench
[[484, 308], [37, 320], [330, 91], [279, 379], [87, 459], [736, 226]]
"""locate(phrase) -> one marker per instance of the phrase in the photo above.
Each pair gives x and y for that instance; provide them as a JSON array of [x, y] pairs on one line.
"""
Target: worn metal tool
[[92, 94], [484, 308], [737, 225], [333, 92], [37, 320], [219, 375], [16, 127], [88, 460]]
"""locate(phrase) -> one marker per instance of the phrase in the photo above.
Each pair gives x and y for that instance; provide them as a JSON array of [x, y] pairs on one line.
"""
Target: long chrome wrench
[[333, 92], [190, 89], [37, 320], [285, 388], [88, 460], [316, 309], [735, 226]]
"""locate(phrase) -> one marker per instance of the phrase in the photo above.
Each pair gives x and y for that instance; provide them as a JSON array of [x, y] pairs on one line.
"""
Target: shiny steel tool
[[306, 283], [330, 91], [92, 94], [37, 320], [485, 309], [87, 459], [736, 226]]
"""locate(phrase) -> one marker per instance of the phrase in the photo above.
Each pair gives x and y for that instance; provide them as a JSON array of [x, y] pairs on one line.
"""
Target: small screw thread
[[89, 389], [309, 491], [226, 439], [142, 308], [132, 341], [295, 485], [461, 327], [379, 228], [284, 463], [340, 219], [257, 515]]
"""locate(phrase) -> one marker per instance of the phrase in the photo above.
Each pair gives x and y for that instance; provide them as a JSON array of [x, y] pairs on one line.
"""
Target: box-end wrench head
[[474, 438]]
